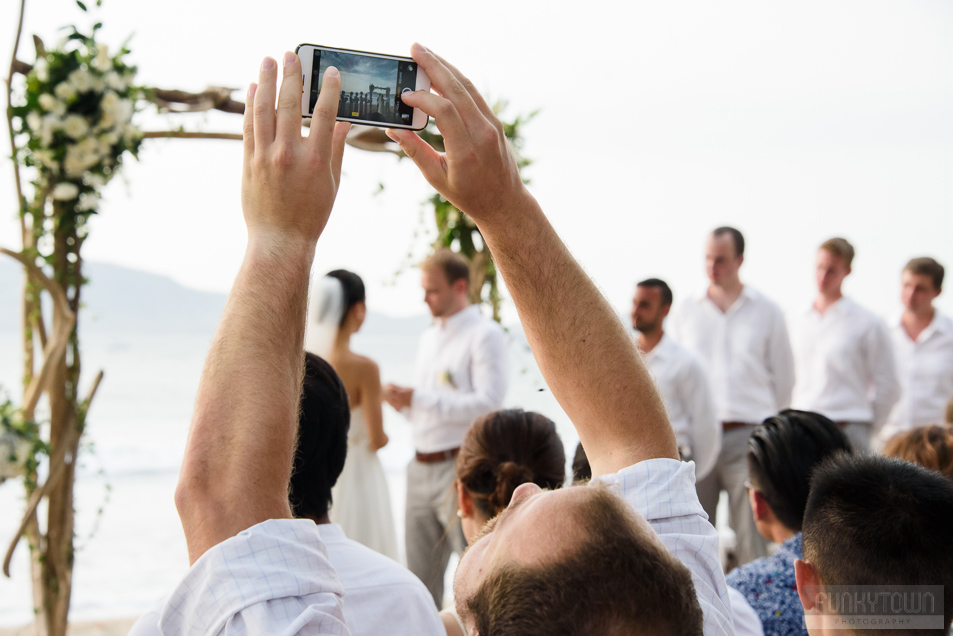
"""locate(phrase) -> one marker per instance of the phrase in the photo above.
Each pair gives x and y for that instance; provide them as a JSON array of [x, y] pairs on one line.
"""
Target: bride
[[361, 500]]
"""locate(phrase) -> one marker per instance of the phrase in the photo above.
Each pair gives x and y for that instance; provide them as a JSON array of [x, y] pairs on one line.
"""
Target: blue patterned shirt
[[768, 585]]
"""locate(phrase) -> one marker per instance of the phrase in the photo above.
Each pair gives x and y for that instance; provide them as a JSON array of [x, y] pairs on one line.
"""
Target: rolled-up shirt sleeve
[[274, 578]]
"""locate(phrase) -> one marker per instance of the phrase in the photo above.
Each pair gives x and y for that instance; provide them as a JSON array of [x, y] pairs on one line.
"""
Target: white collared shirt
[[461, 374], [746, 352], [380, 595], [925, 368], [663, 491], [683, 384], [845, 365]]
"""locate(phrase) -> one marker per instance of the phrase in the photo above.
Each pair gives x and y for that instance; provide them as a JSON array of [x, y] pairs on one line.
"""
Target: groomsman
[[845, 362], [680, 377], [923, 345], [741, 336]]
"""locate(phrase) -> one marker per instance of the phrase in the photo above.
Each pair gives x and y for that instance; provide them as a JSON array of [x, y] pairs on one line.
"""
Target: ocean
[[130, 547]]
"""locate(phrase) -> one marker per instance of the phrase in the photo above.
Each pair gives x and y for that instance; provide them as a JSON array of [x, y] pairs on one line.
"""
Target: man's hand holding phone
[[478, 173], [289, 182]]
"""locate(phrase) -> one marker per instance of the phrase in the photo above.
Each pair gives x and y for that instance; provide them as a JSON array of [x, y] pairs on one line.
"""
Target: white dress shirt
[[461, 374], [745, 620], [380, 595], [845, 365], [683, 384], [663, 491], [746, 352], [925, 368]]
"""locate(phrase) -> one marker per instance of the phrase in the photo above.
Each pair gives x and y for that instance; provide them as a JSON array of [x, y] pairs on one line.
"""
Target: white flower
[[123, 111], [102, 61], [114, 81], [48, 125], [95, 180], [130, 134], [46, 159], [104, 148], [52, 105], [97, 84], [81, 80], [111, 138], [34, 121], [42, 70], [65, 191], [65, 91], [75, 126], [81, 157], [88, 201]]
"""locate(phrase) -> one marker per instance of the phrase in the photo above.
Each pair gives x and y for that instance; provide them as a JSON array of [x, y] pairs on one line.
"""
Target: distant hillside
[[122, 300]]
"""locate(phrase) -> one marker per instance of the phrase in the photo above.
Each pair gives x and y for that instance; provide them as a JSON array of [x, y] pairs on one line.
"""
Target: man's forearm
[[580, 344], [241, 442]]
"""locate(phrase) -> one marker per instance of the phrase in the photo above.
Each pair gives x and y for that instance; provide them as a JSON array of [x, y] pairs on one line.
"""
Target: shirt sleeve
[[663, 491], [883, 374], [705, 428], [489, 375], [274, 578], [781, 361]]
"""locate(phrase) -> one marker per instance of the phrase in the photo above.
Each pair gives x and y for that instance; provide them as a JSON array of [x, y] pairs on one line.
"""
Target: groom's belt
[[433, 458]]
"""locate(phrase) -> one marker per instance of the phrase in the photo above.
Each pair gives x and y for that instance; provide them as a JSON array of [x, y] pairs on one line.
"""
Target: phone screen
[[370, 86]]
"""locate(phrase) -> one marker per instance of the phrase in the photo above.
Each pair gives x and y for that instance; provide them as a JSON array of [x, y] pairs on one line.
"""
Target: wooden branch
[[181, 134], [57, 465], [212, 98], [21, 200]]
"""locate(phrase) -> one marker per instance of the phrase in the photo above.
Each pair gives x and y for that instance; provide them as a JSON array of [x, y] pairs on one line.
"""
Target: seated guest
[[501, 451], [382, 597], [929, 446], [874, 520], [782, 452], [634, 554]]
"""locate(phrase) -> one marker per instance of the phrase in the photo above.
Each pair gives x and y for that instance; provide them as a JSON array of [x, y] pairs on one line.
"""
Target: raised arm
[[241, 442], [582, 348]]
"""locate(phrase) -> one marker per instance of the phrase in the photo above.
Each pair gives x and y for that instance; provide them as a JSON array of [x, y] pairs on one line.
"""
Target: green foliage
[[27, 447]]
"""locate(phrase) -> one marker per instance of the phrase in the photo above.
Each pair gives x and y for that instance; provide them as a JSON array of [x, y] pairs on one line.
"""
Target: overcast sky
[[794, 122]]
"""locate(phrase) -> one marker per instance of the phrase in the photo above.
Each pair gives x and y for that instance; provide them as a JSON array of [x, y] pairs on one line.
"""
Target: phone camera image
[[370, 86]]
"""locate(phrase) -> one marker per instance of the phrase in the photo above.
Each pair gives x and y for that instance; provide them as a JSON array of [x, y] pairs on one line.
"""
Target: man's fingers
[[326, 112], [341, 129], [471, 88], [428, 160], [248, 123], [446, 83], [289, 100], [442, 110], [264, 109]]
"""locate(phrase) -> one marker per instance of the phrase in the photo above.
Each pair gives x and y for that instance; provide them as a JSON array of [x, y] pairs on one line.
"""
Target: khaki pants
[[432, 528], [730, 473]]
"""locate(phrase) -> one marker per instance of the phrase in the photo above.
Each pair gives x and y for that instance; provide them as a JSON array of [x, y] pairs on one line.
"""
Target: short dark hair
[[323, 424], [782, 453], [873, 520], [453, 265], [926, 266], [662, 286], [353, 287], [736, 237], [617, 582], [581, 470]]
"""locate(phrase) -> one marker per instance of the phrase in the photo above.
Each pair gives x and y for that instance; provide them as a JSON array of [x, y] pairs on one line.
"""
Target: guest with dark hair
[[929, 446], [501, 451], [581, 470], [874, 520], [782, 453], [336, 312]]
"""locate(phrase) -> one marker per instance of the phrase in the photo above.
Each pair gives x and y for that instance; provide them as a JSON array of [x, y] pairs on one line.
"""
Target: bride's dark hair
[[353, 288], [505, 449]]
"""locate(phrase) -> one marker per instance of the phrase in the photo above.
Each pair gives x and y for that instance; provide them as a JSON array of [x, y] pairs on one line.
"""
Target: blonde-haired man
[[844, 355]]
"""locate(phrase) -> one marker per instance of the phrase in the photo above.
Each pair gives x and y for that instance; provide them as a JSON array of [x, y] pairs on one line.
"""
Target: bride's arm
[[371, 404]]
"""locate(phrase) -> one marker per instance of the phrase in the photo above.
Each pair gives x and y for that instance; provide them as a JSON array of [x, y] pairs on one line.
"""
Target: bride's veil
[[325, 311]]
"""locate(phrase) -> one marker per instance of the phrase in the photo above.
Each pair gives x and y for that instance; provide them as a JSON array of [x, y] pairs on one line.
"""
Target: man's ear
[[464, 500], [461, 286], [759, 507], [808, 583]]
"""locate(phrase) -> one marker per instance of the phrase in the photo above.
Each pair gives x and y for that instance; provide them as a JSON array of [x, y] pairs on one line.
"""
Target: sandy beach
[[91, 628]]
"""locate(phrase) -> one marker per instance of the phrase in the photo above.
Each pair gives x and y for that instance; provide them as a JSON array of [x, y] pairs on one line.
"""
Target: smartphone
[[371, 86]]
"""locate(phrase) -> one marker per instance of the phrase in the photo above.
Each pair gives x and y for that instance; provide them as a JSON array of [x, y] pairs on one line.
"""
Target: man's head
[[445, 277], [921, 283], [650, 305], [782, 453], [929, 446], [323, 423], [834, 258], [724, 254], [873, 520], [580, 543]]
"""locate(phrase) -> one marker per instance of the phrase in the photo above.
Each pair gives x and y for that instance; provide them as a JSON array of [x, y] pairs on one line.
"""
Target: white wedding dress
[[361, 499]]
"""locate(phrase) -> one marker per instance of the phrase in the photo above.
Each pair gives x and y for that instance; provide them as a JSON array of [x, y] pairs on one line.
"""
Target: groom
[[461, 375]]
